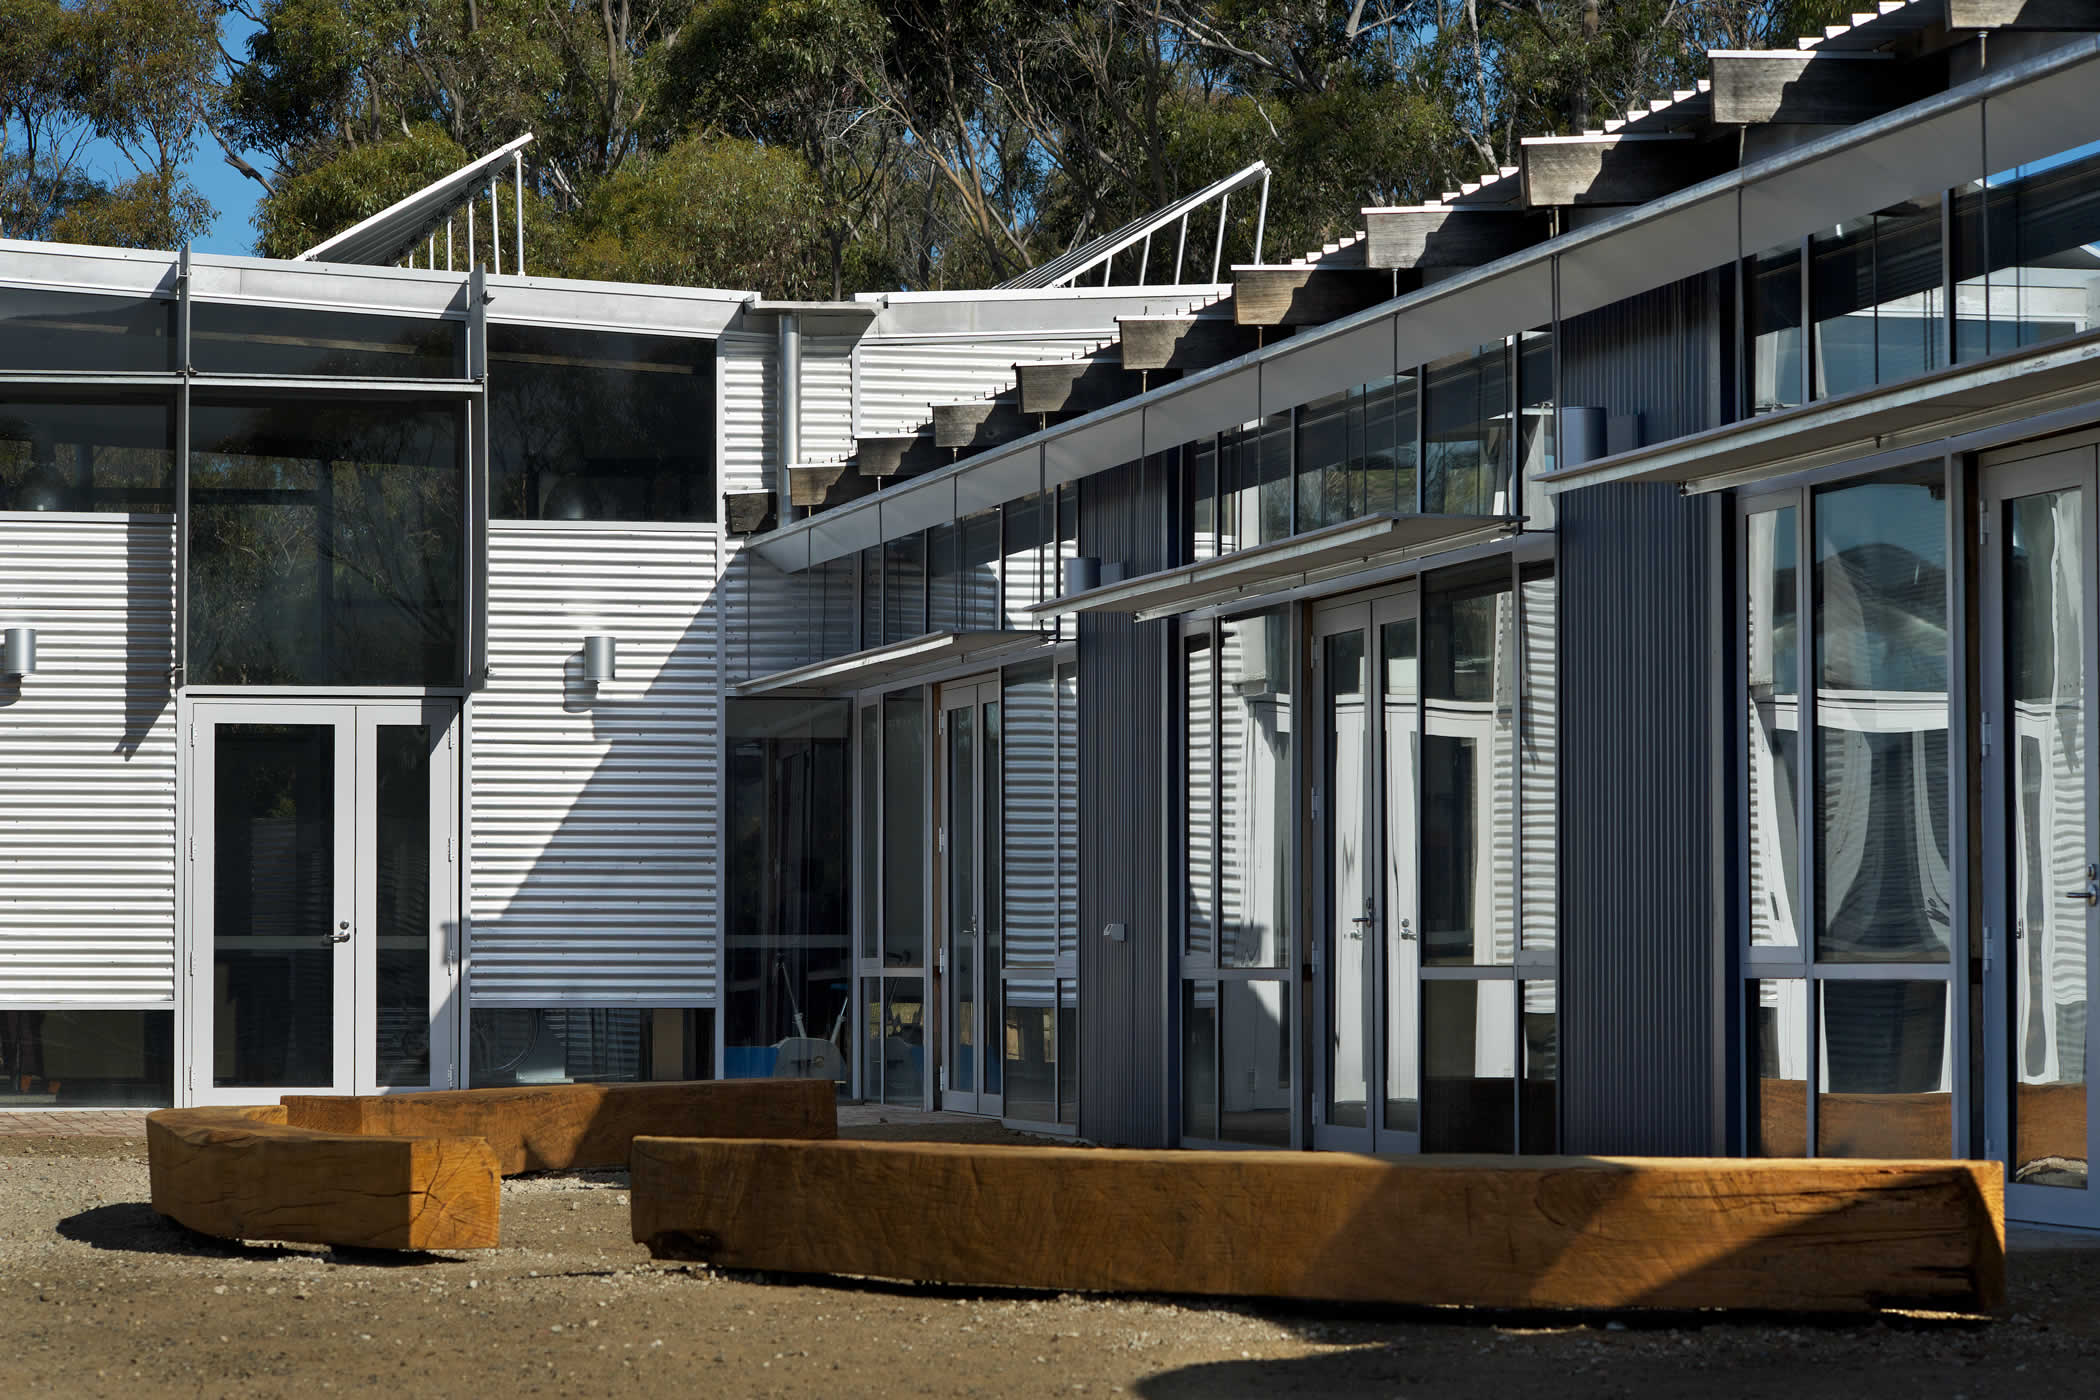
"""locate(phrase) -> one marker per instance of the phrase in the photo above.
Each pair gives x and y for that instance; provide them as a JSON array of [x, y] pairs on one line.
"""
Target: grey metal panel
[[594, 814], [111, 270], [1942, 150], [1216, 401], [88, 747], [2041, 118], [1472, 314], [1106, 438], [1687, 241], [1357, 356], [1125, 1057]]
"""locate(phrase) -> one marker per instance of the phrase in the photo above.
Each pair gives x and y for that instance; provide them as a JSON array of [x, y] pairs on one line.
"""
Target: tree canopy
[[816, 147]]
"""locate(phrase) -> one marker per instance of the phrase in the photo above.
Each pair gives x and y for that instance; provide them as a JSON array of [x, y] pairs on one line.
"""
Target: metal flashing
[[876, 665]]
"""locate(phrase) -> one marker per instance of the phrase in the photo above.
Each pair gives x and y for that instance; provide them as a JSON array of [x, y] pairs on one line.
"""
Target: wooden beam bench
[[1492, 1232], [423, 1171]]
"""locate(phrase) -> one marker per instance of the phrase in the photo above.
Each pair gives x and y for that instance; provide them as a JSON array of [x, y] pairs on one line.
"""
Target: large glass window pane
[[1536, 448], [1026, 570], [1878, 298], [786, 886], [401, 873], [273, 961], [1395, 480], [1031, 1049], [1068, 1052], [867, 815], [944, 581], [1254, 753], [1773, 716], [992, 815], [903, 589], [67, 1058], [965, 1026], [1199, 1060], [1344, 770], [591, 425], [2048, 830], [326, 541], [233, 338], [871, 596], [1254, 1065], [904, 763], [982, 602], [1327, 488], [1201, 486], [1068, 810], [1883, 887], [2028, 269], [1400, 695], [1199, 807], [1888, 1070], [72, 452], [42, 331], [1469, 1049], [1466, 443], [515, 1045], [1774, 314], [1776, 1031], [1468, 817], [900, 1041], [1539, 1124], [1538, 761], [1030, 828]]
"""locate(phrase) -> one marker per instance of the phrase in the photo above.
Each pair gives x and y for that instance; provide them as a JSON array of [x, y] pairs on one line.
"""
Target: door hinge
[[451, 1076], [1983, 523], [1316, 804], [191, 842], [1986, 952], [1984, 730], [448, 850]]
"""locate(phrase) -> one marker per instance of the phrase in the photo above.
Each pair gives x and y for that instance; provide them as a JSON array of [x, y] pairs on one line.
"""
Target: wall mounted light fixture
[[600, 663], [18, 651]]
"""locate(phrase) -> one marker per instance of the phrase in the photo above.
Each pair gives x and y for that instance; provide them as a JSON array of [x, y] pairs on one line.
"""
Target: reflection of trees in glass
[[116, 455], [227, 338], [325, 544]]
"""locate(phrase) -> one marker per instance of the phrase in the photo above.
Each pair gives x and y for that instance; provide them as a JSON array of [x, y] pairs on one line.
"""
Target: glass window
[[786, 882], [1774, 316], [1068, 810], [1777, 1104], [867, 808], [1199, 1060], [1203, 504], [1199, 811], [871, 596], [1254, 1068], [1883, 887], [236, 338], [1773, 717], [1538, 1124], [43, 331], [1068, 1052], [983, 603], [904, 830], [1026, 572], [79, 453], [1469, 1050], [1466, 447], [896, 1049], [1254, 484], [2028, 273], [903, 589], [71, 1058], [1535, 443], [516, 1045], [1878, 299], [1029, 716], [1467, 826], [1329, 483], [944, 581], [590, 425], [326, 540], [1395, 483], [1538, 764], [1888, 1080], [1254, 767], [1031, 1049]]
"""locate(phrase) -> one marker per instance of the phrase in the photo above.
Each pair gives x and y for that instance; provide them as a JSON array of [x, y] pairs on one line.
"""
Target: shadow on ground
[[136, 1228]]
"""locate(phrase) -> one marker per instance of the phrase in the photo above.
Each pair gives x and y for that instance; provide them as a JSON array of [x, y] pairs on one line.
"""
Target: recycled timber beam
[[1444, 236], [899, 454], [975, 424], [1079, 386], [819, 484], [1501, 1232], [245, 1174], [2022, 14], [1828, 87], [1626, 168], [1185, 343], [1306, 294]]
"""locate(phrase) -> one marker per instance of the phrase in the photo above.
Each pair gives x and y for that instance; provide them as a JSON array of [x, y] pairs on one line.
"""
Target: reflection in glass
[[42, 331], [1031, 1050], [1030, 819], [2051, 831], [1199, 820], [1888, 1070], [1469, 644], [1466, 442], [962, 897], [1253, 484], [401, 871], [1878, 298], [903, 829], [1773, 714], [273, 905], [592, 425], [1029, 561], [1199, 1060], [1774, 298], [1469, 1048], [1400, 697], [326, 541], [896, 1048], [870, 569], [991, 950], [1537, 761], [1538, 1125], [70, 452], [1254, 1063], [867, 818], [67, 1058], [1328, 491], [1884, 889], [1068, 810], [1201, 477], [1254, 750], [248, 338], [1536, 453], [903, 589], [1777, 1033], [1068, 1052], [515, 1045], [2028, 272], [1349, 891]]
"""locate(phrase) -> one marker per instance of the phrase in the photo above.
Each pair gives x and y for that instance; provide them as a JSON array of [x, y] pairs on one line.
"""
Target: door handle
[[1360, 920], [341, 934], [2090, 895], [1407, 930]]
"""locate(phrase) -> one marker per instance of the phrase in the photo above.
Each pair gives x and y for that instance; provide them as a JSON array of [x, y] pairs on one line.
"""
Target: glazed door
[[1366, 954], [2042, 889], [323, 899], [969, 848]]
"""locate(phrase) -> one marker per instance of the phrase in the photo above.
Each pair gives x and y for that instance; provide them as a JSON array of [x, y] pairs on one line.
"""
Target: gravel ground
[[99, 1296]]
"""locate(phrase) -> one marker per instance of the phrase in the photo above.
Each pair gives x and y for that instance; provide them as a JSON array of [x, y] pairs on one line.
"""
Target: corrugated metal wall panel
[[88, 750], [595, 817], [899, 379], [1638, 943], [749, 420], [1126, 1054], [827, 398]]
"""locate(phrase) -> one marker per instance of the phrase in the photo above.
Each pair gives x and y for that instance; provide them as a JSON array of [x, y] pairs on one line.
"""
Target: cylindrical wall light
[[599, 661], [18, 651]]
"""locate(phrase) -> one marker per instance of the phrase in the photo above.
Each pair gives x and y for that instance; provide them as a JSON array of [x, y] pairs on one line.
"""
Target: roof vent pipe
[[788, 400]]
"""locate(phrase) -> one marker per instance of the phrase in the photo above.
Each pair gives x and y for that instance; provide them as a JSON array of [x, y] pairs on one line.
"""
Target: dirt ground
[[99, 1296]]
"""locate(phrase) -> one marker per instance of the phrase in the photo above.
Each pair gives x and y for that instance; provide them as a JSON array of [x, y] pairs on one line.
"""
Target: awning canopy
[[1305, 559], [933, 652], [2006, 391], [386, 237]]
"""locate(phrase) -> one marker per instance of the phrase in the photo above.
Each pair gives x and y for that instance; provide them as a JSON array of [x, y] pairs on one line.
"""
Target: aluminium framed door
[[972, 907]]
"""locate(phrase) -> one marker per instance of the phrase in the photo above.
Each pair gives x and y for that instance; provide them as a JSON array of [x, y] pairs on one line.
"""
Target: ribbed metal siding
[[88, 752], [827, 399], [749, 425], [1123, 862], [1639, 1012], [594, 817], [899, 379]]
